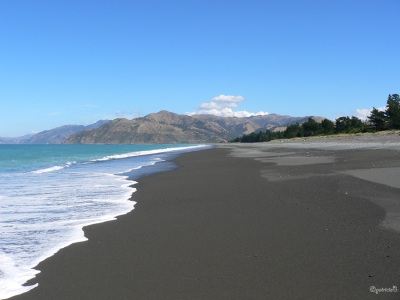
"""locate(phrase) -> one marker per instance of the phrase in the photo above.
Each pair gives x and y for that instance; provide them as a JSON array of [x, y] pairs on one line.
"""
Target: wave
[[145, 152], [53, 168], [46, 170], [119, 156]]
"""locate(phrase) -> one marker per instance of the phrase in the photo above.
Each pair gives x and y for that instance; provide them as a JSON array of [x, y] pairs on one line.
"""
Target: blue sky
[[75, 62]]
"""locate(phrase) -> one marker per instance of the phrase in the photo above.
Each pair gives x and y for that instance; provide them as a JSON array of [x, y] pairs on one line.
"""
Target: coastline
[[250, 221]]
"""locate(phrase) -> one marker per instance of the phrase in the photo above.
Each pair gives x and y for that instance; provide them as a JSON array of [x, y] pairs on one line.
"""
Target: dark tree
[[343, 125], [356, 125], [349, 125], [378, 119], [292, 131], [393, 111], [311, 127], [327, 127]]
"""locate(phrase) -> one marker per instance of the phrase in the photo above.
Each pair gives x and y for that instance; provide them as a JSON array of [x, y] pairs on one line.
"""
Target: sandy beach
[[305, 219]]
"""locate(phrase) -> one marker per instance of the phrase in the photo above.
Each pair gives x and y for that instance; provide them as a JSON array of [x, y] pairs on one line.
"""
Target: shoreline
[[114, 185], [247, 222]]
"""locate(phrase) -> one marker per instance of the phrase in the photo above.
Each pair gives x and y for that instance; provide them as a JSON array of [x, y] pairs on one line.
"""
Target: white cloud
[[363, 113], [224, 105], [227, 98]]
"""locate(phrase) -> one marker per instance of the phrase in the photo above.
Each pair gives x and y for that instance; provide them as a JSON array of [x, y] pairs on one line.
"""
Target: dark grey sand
[[298, 220]]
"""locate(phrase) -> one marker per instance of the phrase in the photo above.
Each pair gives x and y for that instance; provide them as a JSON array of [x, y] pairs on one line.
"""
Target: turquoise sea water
[[49, 192]]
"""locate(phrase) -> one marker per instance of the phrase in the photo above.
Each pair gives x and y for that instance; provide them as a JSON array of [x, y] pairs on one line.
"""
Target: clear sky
[[78, 61]]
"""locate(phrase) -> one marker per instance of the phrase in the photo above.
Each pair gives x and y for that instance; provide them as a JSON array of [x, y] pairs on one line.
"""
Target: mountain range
[[163, 127], [166, 127]]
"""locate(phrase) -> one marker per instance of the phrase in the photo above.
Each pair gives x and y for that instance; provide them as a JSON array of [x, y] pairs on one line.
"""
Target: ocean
[[48, 193]]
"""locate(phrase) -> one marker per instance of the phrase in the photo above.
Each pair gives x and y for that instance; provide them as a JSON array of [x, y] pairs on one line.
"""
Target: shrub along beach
[[315, 219]]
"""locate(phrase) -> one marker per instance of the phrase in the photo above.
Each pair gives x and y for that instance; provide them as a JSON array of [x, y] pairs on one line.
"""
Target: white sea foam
[[46, 170], [146, 152], [38, 221], [12, 277], [54, 168]]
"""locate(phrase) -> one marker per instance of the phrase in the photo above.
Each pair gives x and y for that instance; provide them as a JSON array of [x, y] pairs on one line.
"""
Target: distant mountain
[[272, 121], [167, 127], [53, 136], [159, 128], [246, 125], [14, 140]]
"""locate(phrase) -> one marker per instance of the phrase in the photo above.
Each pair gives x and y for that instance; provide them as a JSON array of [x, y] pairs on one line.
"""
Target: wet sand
[[261, 221]]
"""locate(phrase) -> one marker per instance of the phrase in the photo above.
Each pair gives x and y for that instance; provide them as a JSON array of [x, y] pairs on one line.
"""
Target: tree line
[[376, 121]]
